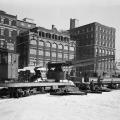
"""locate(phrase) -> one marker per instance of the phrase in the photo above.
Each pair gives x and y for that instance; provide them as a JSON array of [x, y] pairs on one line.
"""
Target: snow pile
[[104, 106]]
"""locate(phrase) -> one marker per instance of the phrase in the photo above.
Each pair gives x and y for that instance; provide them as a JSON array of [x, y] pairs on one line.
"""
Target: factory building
[[8, 31], [39, 45], [95, 49], [25, 25]]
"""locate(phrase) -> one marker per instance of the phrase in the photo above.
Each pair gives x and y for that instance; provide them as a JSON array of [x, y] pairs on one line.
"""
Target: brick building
[[8, 31], [25, 25], [39, 46], [95, 49]]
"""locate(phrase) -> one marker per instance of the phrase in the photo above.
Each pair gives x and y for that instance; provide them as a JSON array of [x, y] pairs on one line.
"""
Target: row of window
[[105, 30], [52, 54], [7, 32], [54, 45], [91, 29], [103, 52], [9, 46], [83, 30], [53, 36], [41, 63], [8, 21], [106, 65], [105, 37], [105, 43]]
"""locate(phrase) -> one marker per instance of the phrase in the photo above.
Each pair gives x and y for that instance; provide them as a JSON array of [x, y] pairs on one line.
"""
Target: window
[[13, 23], [2, 31], [22, 24], [10, 33], [53, 54], [32, 62], [33, 51], [41, 63], [14, 33], [92, 28], [41, 52], [29, 25], [10, 46], [3, 58], [47, 53], [65, 47], [96, 28], [6, 32], [59, 55], [71, 57], [33, 42], [103, 52], [0, 19], [56, 37], [54, 45], [71, 48], [100, 52], [65, 56], [6, 21], [2, 43], [91, 35], [47, 44], [60, 46], [41, 43]]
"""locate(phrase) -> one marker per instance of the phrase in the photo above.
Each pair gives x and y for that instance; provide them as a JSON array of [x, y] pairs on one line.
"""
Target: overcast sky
[[58, 12]]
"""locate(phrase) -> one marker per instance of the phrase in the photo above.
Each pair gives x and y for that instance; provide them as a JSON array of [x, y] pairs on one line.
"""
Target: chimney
[[74, 23], [53, 26]]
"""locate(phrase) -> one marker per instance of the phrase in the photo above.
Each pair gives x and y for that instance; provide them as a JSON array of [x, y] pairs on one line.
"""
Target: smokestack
[[74, 23], [53, 26]]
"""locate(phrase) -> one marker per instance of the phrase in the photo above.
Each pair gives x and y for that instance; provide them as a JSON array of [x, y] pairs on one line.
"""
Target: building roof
[[53, 31], [8, 15], [94, 23]]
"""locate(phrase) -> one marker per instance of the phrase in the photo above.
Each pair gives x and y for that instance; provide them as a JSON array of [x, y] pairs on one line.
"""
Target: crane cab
[[8, 66]]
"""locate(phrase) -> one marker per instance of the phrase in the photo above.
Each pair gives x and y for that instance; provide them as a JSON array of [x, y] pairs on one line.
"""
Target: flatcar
[[9, 78]]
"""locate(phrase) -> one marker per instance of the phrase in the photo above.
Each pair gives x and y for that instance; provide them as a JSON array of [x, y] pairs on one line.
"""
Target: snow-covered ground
[[105, 106]]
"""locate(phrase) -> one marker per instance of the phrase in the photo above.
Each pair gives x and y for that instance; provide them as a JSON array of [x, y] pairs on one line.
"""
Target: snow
[[105, 106]]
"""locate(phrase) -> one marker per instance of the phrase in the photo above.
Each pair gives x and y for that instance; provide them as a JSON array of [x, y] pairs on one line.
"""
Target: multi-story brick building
[[39, 46], [25, 25], [8, 31], [95, 48]]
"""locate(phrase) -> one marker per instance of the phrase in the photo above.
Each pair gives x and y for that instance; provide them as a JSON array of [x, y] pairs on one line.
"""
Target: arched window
[[66, 47], [41, 43], [6, 21], [13, 23], [47, 44], [14, 33], [43, 34], [54, 45], [60, 46]]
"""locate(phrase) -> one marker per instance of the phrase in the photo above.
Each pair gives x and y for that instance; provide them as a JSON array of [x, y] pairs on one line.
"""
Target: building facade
[[8, 31], [95, 49], [39, 46], [25, 25]]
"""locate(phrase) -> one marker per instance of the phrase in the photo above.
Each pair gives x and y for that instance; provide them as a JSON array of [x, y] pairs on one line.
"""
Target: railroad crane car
[[16, 88]]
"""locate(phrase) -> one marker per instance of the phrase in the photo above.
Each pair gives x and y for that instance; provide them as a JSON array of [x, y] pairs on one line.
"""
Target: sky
[[58, 12]]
